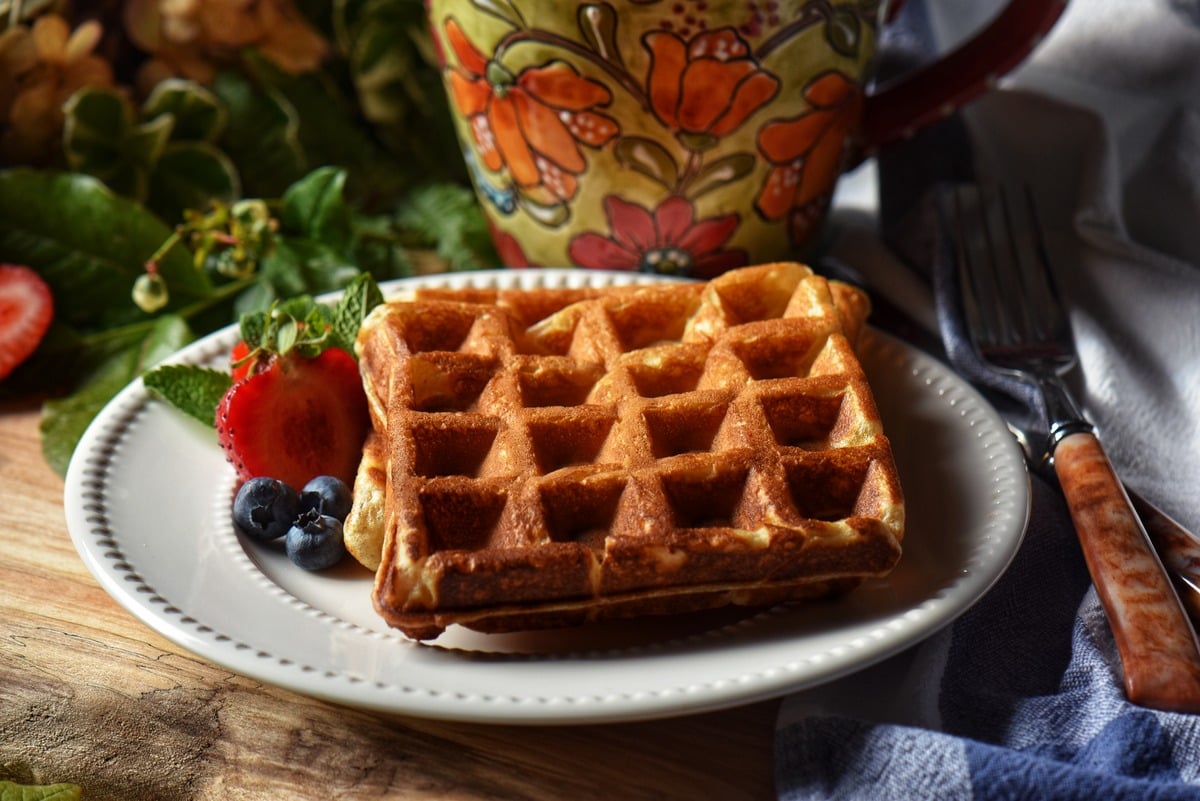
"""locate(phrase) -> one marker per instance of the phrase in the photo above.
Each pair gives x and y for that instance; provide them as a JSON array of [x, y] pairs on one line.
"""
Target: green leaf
[[255, 298], [648, 158], [330, 131], [253, 327], [193, 390], [356, 302], [385, 42], [378, 248], [314, 207], [191, 175], [448, 217], [283, 270], [144, 144], [262, 136], [297, 266], [101, 136], [298, 323], [89, 245], [198, 113], [65, 420], [393, 66], [11, 791], [286, 335], [96, 122]]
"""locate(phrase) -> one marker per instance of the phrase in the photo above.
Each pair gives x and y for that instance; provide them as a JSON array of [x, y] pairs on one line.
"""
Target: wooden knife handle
[[1159, 652], [1179, 550]]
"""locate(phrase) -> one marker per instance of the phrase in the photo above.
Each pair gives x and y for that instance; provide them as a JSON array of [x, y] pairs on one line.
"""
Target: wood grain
[[1160, 655], [89, 695]]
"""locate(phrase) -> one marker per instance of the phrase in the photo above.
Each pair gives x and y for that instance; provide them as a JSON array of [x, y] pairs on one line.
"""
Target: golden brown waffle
[[548, 457]]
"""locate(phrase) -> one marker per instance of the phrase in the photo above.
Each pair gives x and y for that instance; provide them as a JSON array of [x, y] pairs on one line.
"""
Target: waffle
[[549, 457]]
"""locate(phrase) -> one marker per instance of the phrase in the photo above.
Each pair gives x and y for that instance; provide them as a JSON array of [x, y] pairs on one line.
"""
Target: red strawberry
[[26, 309], [297, 419], [242, 365], [239, 353]]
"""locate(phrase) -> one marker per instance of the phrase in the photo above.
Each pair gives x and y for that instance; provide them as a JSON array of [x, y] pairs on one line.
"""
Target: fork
[[1019, 325]]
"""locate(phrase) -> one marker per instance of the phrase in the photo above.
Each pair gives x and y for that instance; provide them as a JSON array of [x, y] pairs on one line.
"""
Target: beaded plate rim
[[362, 666]]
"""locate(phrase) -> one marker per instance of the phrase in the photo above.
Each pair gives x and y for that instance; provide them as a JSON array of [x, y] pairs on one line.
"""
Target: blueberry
[[328, 495], [265, 508], [315, 541]]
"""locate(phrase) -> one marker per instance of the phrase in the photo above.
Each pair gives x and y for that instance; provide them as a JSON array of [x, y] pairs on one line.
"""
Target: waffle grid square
[[555, 456]]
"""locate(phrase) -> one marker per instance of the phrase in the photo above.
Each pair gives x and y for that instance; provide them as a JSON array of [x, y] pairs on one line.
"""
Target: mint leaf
[[193, 390], [356, 302], [448, 217], [11, 791], [298, 323], [253, 328]]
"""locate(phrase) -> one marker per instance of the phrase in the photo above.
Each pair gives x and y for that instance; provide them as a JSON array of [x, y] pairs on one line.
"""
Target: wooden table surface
[[91, 696]]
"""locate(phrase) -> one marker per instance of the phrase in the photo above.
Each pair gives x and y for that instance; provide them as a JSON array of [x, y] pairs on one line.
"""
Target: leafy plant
[[92, 245], [168, 159], [194, 184]]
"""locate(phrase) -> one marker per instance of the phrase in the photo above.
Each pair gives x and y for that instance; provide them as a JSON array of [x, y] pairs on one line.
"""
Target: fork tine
[[982, 234], [975, 259], [1043, 303], [1006, 283], [1022, 271], [1011, 295]]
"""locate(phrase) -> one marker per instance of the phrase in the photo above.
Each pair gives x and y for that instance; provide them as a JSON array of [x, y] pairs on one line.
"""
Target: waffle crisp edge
[[550, 457]]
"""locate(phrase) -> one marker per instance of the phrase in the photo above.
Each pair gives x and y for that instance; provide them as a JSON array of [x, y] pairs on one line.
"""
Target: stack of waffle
[[547, 457]]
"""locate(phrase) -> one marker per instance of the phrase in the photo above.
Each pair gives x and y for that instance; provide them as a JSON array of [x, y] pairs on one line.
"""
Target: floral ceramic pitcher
[[684, 137]]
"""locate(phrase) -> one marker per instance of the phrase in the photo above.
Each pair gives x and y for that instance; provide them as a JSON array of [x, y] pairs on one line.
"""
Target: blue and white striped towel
[[1018, 699]]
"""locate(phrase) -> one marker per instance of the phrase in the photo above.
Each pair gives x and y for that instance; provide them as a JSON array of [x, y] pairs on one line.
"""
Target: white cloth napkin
[[1019, 698], [1103, 122]]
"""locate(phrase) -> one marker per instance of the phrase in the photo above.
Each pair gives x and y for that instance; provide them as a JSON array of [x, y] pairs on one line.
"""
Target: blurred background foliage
[[168, 165]]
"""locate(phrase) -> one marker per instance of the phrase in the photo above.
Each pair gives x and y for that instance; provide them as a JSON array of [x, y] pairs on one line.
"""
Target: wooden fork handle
[[1159, 652]]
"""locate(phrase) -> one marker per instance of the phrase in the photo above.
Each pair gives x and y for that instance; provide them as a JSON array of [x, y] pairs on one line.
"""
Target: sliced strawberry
[[297, 419], [245, 362], [239, 365], [26, 309]]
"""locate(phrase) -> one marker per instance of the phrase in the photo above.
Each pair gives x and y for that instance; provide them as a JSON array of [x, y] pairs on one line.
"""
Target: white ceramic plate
[[147, 503]]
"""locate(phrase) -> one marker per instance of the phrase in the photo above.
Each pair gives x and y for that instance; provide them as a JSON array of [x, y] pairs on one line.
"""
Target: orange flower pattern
[[531, 123], [673, 185], [707, 86], [806, 152]]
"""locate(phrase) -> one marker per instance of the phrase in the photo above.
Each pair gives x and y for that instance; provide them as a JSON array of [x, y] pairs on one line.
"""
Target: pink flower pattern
[[667, 240]]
